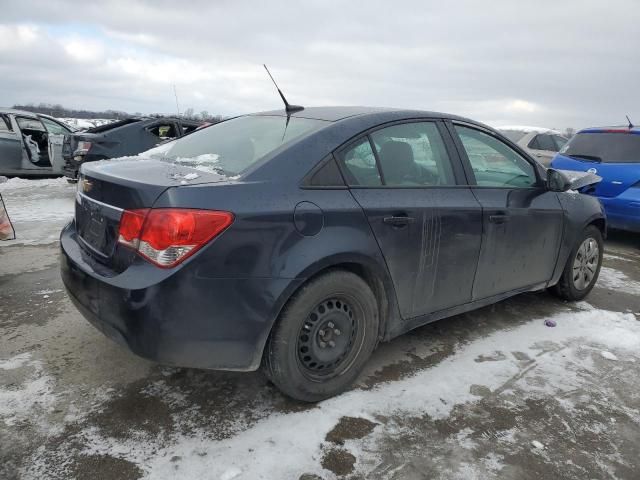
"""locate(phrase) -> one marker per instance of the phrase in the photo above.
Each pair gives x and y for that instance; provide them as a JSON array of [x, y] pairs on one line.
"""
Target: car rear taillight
[[83, 148], [168, 236]]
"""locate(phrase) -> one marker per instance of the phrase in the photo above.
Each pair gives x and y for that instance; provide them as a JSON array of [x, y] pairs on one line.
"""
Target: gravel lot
[[490, 394]]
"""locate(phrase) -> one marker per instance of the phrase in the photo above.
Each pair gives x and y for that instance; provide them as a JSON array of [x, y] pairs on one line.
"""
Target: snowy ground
[[490, 394]]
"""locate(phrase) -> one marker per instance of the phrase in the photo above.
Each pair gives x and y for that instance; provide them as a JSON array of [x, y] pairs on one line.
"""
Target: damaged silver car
[[31, 144]]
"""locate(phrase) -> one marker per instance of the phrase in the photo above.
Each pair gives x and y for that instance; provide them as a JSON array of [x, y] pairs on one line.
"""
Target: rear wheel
[[583, 266], [323, 337]]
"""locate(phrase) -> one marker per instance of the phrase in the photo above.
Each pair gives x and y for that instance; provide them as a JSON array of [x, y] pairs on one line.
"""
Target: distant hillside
[[59, 111]]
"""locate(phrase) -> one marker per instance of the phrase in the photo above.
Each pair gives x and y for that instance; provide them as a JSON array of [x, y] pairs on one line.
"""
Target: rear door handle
[[498, 219], [398, 221]]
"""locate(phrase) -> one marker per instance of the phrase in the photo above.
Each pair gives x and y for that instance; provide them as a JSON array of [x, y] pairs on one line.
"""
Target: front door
[[427, 222], [56, 133], [522, 220]]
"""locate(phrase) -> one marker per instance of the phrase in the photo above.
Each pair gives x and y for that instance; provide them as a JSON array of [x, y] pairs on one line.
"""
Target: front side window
[[53, 127], [413, 154], [494, 163], [5, 125], [232, 146]]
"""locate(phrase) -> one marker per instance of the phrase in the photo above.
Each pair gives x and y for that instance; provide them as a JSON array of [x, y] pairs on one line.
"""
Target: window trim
[[462, 153], [457, 167]]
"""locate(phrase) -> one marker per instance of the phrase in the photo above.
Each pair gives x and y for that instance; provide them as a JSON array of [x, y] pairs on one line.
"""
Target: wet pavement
[[489, 394]]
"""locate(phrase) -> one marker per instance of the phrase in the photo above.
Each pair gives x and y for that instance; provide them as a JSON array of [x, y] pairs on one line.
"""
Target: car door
[[56, 133], [522, 220], [427, 222], [543, 148], [11, 148]]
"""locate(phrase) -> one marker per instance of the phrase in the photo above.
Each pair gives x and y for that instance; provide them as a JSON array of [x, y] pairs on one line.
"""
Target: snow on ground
[[616, 280], [30, 398], [38, 208], [559, 361]]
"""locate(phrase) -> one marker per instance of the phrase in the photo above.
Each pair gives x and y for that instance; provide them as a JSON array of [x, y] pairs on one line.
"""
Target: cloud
[[558, 64]]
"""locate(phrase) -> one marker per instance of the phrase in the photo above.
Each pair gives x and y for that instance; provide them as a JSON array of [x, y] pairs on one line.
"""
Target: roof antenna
[[176, 95], [287, 107], [629, 120]]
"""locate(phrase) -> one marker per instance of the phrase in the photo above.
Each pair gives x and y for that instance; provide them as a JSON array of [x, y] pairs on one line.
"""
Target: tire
[[576, 287], [323, 337]]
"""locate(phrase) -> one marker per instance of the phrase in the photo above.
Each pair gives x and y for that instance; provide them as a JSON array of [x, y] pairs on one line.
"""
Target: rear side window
[[493, 162], [559, 141], [413, 154], [604, 147], [543, 142]]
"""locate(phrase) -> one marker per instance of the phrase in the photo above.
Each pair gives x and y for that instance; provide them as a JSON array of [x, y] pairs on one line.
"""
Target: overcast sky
[[547, 63]]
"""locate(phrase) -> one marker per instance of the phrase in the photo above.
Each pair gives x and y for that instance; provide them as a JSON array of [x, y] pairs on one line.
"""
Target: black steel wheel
[[328, 336], [323, 337]]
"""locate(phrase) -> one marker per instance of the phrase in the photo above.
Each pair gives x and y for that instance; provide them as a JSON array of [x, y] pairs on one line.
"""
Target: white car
[[541, 143]]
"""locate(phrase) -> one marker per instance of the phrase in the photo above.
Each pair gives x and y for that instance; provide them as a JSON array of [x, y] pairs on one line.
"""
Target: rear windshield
[[513, 135], [604, 147], [232, 146]]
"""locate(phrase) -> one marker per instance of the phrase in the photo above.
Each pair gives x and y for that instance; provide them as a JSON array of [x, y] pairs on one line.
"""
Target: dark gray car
[[30, 144], [124, 138]]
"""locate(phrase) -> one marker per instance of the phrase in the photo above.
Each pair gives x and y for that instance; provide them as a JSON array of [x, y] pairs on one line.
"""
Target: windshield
[[232, 146], [605, 147]]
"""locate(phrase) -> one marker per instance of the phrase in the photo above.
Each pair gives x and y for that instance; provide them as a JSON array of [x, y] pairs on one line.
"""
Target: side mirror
[[6, 229], [557, 181]]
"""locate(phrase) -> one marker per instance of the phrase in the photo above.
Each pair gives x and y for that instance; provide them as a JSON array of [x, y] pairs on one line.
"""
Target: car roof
[[11, 111], [612, 129], [527, 129], [338, 113]]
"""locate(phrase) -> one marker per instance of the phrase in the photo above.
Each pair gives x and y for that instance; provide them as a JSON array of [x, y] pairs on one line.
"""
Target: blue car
[[612, 153]]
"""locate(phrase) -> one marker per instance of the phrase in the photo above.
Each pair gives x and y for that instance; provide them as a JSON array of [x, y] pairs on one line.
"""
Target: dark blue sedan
[[613, 153], [298, 241]]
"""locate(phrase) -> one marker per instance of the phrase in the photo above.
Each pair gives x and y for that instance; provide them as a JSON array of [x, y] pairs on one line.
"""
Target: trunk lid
[[106, 188]]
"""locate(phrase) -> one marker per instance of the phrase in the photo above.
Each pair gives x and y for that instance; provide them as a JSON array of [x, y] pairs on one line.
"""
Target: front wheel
[[583, 266], [323, 337]]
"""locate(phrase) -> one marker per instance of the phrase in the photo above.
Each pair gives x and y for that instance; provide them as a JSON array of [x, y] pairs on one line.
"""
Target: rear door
[[522, 220], [426, 221]]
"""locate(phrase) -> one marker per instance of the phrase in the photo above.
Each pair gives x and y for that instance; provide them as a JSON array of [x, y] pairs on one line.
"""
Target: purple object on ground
[[550, 323]]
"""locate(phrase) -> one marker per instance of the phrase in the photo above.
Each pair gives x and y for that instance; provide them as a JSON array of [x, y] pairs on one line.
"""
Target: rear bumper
[[181, 316], [623, 211]]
